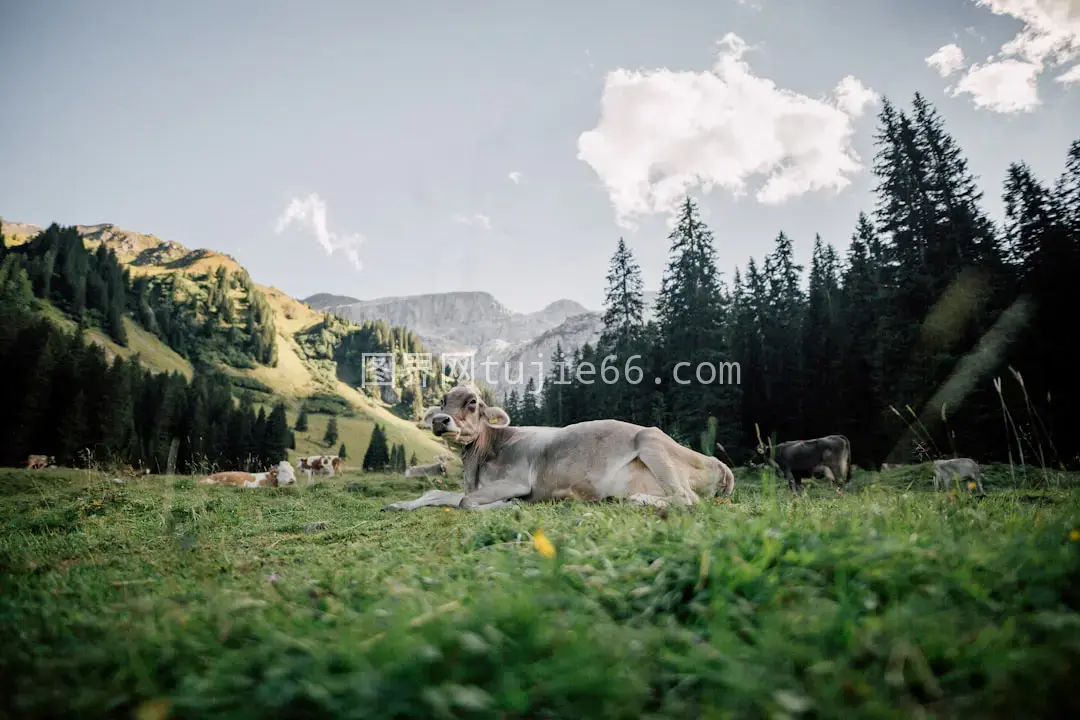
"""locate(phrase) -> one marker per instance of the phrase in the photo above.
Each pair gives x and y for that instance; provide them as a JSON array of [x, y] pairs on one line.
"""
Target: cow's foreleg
[[794, 485], [648, 500], [431, 498], [498, 491]]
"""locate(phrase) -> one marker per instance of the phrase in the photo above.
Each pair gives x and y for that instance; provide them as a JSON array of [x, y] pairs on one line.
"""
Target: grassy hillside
[[355, 432], [153, 353], [292, 378], [165, 598]]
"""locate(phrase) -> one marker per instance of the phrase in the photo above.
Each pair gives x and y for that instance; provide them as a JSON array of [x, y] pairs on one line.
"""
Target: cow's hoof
[[467, 504], [394, 506]]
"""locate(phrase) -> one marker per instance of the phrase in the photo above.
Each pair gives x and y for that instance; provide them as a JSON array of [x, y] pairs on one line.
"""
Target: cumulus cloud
[[662, 133], [475, 220], [946, 60], [515, 177], [310, 213], [1070, 76], [1049, 38], [1004, 86]]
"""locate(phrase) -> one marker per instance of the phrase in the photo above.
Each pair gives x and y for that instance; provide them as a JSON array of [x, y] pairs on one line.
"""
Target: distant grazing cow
[[960, 468], [35, 462], [435, 468], [798, 459], [276, 477], [327, 465], [590, 460]]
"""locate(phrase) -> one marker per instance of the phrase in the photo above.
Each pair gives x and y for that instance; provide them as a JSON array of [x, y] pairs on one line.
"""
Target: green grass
[[355, 432], [889, 602]]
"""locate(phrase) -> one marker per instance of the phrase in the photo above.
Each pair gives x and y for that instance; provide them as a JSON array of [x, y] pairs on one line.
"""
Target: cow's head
[[463, 416], [285, 474]]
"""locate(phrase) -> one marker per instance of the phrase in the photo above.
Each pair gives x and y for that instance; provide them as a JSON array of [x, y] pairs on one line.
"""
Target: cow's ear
[[430, 413], [496, 416]]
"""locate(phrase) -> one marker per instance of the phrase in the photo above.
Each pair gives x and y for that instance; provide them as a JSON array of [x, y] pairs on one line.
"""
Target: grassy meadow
[[355, 433], [160, 598]]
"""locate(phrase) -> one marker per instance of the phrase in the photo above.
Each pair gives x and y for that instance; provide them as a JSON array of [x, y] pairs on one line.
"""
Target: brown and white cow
[[276, 477], [586, 461], [327, 465], [35, 462]]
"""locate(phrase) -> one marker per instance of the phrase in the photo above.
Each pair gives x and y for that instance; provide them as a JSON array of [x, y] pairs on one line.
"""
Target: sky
[[381, 149]]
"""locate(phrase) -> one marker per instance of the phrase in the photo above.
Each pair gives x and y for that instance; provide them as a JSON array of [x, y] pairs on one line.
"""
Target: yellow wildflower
[[971, 485], [1074, 535], [542, 544], [154, 709], [446, 509]]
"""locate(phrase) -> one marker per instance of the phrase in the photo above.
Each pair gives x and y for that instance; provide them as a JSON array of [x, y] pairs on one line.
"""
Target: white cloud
[[662, 133], [515, 177], [311, 213], [1049, 37], [946, 60], [1070, 76], [1004, 86], [852, 97], [475, 220]]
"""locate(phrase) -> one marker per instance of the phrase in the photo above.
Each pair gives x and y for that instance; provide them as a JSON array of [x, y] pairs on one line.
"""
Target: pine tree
[[622, 337], [341, 452], [530, 410], [863, 307], [551, 408], [417, 409], [377, 456], [691, 311], [820, 342], [412, 460], [276, 435], [624, 302], [512, 406], [301, 421], [331, 435]]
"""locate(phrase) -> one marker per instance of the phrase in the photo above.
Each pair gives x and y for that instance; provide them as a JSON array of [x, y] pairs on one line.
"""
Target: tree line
[[201, 318], [68, 400], [937, 333]]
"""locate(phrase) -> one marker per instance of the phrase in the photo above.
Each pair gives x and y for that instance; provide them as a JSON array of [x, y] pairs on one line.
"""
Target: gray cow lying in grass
[[959, 468], [590, 460]]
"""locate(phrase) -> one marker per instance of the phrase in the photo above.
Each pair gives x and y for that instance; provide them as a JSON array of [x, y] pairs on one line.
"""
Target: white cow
[[587, 461]]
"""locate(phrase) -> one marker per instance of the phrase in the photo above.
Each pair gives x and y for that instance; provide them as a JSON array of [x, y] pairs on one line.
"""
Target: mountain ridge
[[292, 378]]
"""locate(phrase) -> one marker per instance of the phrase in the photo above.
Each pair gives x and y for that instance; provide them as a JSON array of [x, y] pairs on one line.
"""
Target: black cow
[[798, 459]]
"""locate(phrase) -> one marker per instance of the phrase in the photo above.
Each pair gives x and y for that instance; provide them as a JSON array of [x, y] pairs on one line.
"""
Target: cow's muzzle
[[442, 424]]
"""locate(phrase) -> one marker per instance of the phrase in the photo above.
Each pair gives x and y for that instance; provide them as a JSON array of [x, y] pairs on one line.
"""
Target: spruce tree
[[276, 435], [377, 456], [691, 312], [622, 337], [512, 406], [530, 410], [821, 343], [341, 452], [551, 409], [301, 421], [331, 435]]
